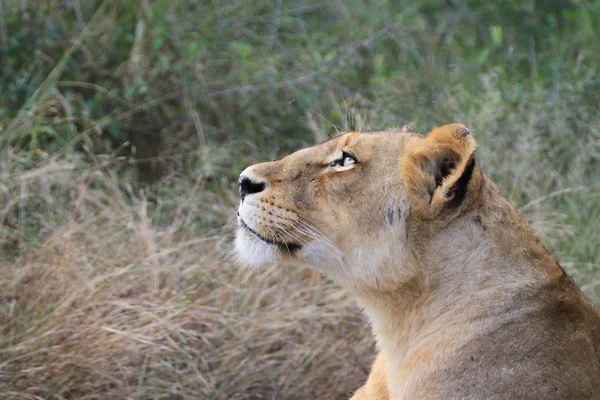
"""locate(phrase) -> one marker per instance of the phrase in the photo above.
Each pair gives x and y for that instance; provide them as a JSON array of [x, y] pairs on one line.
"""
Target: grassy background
[[123, 127]]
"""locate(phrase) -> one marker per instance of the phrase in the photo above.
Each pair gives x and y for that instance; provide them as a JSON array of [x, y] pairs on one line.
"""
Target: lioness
[[464, 301]]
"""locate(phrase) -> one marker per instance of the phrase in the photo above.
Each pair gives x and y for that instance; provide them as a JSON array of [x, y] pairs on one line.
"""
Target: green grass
[[124, 125]]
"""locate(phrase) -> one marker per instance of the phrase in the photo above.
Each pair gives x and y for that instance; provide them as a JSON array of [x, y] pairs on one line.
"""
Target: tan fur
[[463, 299]]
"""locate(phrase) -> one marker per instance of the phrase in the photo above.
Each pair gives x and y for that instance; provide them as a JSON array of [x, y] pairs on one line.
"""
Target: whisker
[[304, 232], [304, 228], [318, 233], [290, 234], [279, 239]]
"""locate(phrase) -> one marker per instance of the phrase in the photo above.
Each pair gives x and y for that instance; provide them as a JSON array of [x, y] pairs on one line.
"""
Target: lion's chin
[[252, 251]]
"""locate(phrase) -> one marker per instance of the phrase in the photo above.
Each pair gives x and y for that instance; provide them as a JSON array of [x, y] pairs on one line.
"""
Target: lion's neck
[[460, 283]]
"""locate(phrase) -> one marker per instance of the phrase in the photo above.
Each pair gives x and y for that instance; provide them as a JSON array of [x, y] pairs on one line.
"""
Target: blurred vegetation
[[171, 98], [183, 74]]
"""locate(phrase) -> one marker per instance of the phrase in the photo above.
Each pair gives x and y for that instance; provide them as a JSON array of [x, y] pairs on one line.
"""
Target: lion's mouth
[[287, 246]]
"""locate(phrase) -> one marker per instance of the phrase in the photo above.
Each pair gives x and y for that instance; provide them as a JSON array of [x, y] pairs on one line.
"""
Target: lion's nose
[[248, 186]]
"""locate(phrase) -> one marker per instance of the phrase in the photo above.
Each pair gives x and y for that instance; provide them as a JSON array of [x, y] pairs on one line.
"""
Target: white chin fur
[[252, 251]]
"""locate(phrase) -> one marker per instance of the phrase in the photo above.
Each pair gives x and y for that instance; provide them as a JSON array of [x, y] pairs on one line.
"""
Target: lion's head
[[356, 206]]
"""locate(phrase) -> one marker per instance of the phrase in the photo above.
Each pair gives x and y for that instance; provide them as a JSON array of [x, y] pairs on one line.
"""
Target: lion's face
[[340, 207]]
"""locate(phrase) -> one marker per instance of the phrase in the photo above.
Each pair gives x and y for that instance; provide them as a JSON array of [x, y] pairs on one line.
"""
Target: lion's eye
[[344, 161], [347, 161]]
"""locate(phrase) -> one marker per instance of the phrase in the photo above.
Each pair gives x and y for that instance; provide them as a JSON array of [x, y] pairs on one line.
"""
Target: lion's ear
[[437, 170]]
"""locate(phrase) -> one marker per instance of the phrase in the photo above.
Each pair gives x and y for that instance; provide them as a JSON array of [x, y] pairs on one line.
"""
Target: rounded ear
[[437, 169]]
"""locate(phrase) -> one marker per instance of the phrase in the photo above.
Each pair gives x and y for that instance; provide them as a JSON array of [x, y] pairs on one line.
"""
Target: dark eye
[[345, 160]]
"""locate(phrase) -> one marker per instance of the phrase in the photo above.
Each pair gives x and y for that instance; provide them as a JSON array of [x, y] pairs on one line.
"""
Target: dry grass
[[108, 306]]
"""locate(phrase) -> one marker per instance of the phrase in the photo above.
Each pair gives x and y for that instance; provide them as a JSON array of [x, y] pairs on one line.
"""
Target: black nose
[[248, 186]]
